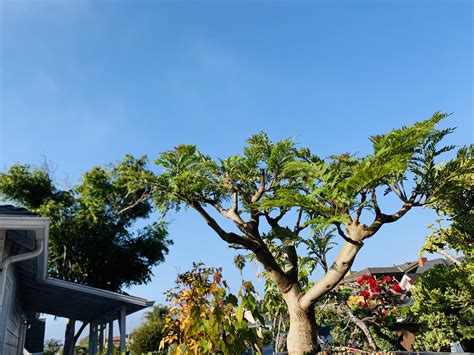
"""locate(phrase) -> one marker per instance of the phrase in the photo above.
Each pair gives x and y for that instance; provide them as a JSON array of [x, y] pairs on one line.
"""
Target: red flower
[[372, 282], [365, 293], [360, 281], [396, 288], [360, 303], [388, 279], [384, 313]]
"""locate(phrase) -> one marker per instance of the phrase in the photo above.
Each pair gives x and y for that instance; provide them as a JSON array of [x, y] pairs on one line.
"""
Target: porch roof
[[75, 301], [42, 294]]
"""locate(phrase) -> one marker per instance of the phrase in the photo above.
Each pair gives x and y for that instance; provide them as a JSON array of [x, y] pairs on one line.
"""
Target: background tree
[[454, 203], [271, 184], [443, 297], [204, 318], [444, 307], [147, 337], [91, 226], [52, 347]]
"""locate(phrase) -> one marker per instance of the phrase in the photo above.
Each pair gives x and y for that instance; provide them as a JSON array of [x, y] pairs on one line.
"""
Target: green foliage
[[205, 318], [271, 184], [331, 187], [52, 347], [91, 238], [444, 307], [147, 337], [453, 200]]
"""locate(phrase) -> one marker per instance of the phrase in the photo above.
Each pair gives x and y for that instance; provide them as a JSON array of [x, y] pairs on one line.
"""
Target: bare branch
[[231, 238], [289, 249], [298, 227], [360, 323], [259, 193], [447, 255], [142, 198], [383, 218], [337, 271], [377, 210], [363, 196], [255, 244]]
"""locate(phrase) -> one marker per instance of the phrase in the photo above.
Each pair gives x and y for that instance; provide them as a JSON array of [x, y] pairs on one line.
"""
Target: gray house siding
[[12, 327]]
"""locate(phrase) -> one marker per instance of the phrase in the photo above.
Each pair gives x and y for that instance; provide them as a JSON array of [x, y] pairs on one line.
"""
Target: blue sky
[[85, 82]]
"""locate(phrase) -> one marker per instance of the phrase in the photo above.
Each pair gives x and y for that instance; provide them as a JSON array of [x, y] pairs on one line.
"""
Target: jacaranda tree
[[275, 191]]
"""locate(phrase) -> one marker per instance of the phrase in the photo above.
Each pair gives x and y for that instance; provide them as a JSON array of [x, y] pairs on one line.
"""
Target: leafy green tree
[[444, 306], [443, 297], [52, 347], [147, 337], [204, 318], [91, 226], [454, 203], [274, 191]]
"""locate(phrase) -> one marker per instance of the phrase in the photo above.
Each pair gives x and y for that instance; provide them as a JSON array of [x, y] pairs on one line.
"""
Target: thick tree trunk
[[303, 333]]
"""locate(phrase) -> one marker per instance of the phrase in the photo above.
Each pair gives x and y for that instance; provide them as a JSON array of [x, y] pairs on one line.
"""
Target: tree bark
[[360, 323], [302, 336], [447, 256]]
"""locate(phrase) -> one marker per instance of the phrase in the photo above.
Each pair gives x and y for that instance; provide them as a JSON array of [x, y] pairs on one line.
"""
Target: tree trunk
[[303, 333]]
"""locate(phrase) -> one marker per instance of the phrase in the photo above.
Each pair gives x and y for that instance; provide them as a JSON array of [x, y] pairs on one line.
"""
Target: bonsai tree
[[274, 191]]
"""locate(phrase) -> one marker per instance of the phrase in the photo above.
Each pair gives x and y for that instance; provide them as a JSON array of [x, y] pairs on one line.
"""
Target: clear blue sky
[[85, 82]]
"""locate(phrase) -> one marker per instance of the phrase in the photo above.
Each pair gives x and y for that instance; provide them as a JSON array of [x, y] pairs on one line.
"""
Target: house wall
[[12, 327]]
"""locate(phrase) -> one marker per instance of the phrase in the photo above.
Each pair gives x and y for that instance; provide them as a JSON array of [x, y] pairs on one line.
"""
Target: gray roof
[[396, 270], [9, 210], [411, 267]]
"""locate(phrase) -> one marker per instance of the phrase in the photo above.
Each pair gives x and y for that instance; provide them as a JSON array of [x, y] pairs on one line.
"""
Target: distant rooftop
[[412, 267], [9, 210]]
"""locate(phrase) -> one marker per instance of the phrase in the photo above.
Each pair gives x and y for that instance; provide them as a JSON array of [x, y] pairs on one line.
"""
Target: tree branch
[[142, 198], [259, 193], [230, 238], [288, 248], [447, 255], [377, 210], [363, 196], [359, 323], [383, 218], [256, 244], [338, 270]]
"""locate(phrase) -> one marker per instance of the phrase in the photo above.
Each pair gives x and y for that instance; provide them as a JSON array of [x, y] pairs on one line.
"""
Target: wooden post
[[92, 338], [101, 337], [110, 340], [123, 331], [69, 337]]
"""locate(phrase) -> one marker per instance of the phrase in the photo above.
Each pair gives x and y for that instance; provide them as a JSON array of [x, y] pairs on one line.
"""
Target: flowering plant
[[377, 298]]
